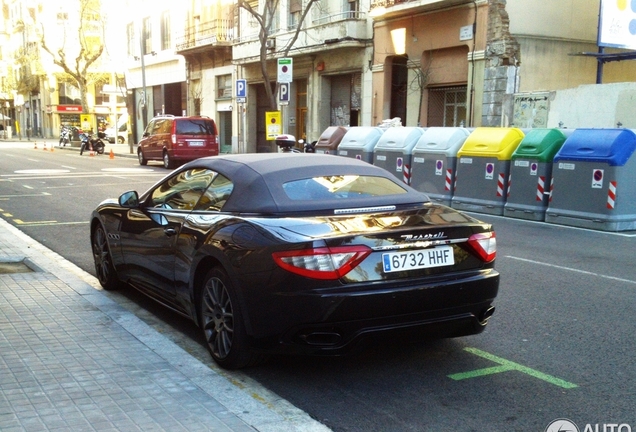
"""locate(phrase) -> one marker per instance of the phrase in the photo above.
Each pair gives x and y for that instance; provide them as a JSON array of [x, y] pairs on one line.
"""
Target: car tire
[[222, 324], [142, 159], [168, 163], [120, 140], [104, 268]]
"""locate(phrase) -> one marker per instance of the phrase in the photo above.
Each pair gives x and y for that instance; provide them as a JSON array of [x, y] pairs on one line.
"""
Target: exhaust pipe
[[486, 314]]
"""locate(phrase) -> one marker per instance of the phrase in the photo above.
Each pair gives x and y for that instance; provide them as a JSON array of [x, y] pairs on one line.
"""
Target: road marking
[[506, 365], [45, 223], [573, 270], [42, 171], [25, 195]]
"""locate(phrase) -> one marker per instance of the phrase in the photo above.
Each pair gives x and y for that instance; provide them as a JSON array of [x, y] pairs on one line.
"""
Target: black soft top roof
[[259, 177]]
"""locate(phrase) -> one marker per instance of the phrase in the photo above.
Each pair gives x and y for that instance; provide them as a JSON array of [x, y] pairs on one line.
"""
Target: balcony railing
[[386, 3], [215, 32]]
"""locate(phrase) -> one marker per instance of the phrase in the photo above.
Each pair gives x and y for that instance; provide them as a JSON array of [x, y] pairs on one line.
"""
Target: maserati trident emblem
[[419, 237]]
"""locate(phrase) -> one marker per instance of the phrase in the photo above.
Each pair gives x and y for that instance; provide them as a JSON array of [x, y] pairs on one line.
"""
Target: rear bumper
[[333, 323], [188, 154]]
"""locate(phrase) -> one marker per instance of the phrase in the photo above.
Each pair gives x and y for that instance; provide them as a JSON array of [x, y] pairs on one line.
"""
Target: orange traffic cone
[[35, 145], [44, 146], [92, 153], [112, 154], [52, 147]]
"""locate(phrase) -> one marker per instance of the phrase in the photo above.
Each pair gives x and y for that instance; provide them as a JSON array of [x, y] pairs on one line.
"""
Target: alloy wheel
[[218, 318]]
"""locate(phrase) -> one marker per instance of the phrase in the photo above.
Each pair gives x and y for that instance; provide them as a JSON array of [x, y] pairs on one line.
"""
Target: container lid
[[446, 140], [611, 146], [540, 144], [331, 137], [401, 139], [494, 142], [361, 137]]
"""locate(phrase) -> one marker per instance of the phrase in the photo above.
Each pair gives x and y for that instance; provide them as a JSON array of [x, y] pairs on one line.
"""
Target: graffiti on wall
[[531, 110]]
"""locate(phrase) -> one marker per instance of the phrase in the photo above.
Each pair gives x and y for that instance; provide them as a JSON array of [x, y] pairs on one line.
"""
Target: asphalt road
[[560, 344]]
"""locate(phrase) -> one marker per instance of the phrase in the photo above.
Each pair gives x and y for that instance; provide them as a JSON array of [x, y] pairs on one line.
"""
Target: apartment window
[[352, 7], [69, 94], [146, 35], [166, 42], [224, 86], [447, 107], [295, 9]]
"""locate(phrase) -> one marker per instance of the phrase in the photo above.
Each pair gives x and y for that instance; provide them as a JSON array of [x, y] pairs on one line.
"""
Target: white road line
[[573, 270]]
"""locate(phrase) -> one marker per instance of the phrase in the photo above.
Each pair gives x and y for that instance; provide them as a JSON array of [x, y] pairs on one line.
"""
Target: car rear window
[[195, 127], [341, 187]]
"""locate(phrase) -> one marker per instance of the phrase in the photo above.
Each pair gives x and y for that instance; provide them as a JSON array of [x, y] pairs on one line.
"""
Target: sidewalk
[[74, 360]]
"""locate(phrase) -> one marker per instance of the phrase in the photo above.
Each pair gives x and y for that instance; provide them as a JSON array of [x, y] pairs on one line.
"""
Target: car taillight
[[485, 245], [322, 263], [174, 138]]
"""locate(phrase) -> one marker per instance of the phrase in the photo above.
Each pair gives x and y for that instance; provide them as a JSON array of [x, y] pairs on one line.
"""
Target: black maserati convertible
[[297, 253]]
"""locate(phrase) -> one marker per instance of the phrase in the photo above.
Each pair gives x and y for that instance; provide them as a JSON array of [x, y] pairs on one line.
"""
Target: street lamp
[[142, 53]]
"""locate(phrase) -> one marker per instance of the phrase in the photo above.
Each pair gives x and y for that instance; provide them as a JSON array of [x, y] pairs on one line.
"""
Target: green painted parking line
[[506, 365]]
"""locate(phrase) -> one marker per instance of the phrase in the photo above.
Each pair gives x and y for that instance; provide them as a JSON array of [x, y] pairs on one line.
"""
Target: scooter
[[92, 144], [308, 147], [65, 136], [286, 143]]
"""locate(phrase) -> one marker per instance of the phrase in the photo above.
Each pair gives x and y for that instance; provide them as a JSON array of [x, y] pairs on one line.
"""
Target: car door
[[146, 142], [149, 232]]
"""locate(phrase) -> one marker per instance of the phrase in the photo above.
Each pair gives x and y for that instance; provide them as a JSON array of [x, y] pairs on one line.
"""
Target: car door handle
[[170, 232]]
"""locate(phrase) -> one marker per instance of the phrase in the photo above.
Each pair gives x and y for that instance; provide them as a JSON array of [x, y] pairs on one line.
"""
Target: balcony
[[204, 36], [392, 8], [348, 29]]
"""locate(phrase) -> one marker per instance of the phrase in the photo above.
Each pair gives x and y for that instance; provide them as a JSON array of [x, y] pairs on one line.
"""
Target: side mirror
[[129, 199]]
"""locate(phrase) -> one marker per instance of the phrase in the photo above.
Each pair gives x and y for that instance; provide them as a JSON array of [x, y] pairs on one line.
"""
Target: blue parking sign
[[241, 88]]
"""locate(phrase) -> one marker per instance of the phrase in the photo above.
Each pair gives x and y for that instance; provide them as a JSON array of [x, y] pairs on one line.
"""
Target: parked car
[[121, 135], [175, 140], [297, 253]]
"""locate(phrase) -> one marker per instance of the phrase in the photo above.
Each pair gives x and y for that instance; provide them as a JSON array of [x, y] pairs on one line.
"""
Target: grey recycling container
[[594, 181], [330, 139], [393, 151], [483, 168], [434, 162], [531, 173], [359, 142]]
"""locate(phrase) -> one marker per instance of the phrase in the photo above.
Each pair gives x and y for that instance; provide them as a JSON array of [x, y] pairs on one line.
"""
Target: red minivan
[[175, 140]]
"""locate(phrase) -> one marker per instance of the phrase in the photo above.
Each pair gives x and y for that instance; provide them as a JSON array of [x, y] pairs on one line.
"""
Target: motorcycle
[[286, 143], [308, 147], [90, 143], [65, 135]]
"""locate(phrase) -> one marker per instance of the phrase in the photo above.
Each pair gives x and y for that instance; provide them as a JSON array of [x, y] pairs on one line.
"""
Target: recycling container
[[359, 142], [330, 139], [531, 173], [594, 181], [394, 150], [434, 162], [483, 168]]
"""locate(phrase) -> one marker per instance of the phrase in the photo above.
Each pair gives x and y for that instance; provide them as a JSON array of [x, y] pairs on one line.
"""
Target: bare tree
[[77, 60], [265, 19]]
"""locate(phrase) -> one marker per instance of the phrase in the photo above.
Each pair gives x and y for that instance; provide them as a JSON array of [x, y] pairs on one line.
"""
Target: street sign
[[285, 70], [241, 91], [283, 94], [273, 124]]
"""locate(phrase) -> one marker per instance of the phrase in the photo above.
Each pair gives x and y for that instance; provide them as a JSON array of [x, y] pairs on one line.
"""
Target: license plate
[[196, 143], [418, 259]]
